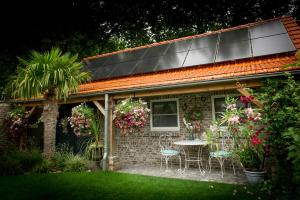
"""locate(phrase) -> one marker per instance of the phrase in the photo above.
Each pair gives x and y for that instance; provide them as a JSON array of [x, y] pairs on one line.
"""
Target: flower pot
[[254, 177]]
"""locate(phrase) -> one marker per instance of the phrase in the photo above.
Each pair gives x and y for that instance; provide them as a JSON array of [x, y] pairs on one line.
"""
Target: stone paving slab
[[188, 174]]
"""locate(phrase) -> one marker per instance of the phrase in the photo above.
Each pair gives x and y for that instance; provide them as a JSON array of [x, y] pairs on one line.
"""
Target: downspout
[[104, 163]]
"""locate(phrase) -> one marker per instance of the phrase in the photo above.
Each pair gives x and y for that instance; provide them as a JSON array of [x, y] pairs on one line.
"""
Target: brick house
[[192, 71]]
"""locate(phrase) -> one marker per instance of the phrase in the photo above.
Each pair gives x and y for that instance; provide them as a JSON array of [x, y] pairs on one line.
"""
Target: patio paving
[[189, 174]]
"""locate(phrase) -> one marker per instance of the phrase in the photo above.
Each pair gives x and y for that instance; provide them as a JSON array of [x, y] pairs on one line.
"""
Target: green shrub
[[42, 167], [76, 163], [9, 165], [18, 162]]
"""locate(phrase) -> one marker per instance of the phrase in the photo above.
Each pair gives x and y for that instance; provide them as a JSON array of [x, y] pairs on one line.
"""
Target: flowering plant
[[18, 122], [130, 115], [81, 119], [249, 135]]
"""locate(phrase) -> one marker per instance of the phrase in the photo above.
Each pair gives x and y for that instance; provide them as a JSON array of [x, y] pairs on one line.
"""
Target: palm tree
[[53, 75]]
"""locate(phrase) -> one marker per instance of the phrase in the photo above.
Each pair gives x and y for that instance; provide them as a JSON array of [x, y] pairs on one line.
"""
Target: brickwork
[[4, 108], [143, 148]]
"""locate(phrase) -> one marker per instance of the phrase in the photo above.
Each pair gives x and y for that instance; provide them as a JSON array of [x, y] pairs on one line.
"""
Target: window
[[164, 115], [218, 105]]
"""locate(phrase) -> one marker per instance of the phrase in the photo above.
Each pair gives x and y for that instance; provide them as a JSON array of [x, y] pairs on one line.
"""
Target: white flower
[[231, 106], [213, 128], [249, 112]]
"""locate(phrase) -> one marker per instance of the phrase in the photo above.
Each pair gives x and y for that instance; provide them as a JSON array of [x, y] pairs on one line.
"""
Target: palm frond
[[51, 71]]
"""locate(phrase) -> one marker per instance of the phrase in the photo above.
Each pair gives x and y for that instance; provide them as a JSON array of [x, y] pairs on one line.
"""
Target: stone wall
[[143, 148]]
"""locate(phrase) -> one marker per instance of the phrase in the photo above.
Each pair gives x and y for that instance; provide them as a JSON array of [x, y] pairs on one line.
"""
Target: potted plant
[[192, 122], [249, 136], [81, 119], [130, 115], [86, 122]]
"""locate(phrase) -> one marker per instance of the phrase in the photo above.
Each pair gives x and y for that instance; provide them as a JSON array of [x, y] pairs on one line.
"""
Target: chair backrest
[[165, 142], [222, 142]]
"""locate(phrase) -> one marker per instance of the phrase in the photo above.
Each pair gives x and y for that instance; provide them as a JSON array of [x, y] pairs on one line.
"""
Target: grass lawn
[[110, 185]]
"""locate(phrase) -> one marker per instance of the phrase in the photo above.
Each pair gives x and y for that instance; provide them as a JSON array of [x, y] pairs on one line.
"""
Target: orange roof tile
[[231, 69]]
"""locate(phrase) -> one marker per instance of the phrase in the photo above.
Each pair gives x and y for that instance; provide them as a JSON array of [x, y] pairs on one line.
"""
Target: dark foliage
[[90, 27]]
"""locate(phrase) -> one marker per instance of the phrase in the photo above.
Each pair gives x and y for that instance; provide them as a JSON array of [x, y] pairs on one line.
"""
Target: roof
[[214, 71]]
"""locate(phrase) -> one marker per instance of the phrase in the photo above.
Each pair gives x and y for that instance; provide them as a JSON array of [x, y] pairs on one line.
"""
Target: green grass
[[110, 185]]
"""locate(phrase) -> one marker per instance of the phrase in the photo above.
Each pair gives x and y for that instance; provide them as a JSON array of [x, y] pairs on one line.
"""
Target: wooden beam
[[189, 90], [244, 92], [99, 106], [160, 92], [30, 112]]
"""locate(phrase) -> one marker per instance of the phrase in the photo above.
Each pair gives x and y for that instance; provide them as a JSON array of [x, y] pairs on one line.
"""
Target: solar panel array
[[261, 40]]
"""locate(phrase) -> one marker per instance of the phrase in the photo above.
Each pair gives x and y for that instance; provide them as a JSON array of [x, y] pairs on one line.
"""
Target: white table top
[[191, 142]]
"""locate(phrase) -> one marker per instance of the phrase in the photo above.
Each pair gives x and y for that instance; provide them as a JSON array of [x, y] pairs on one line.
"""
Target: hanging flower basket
[[81, 119], [130, 115]]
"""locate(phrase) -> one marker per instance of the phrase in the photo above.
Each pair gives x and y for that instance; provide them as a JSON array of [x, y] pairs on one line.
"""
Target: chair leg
[[221, 161], [233, 166], [179, 162], [209, 162], [167, 160], [160, 162]]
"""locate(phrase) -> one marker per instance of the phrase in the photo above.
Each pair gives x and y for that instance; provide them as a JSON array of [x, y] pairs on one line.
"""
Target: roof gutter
[[196, 83]]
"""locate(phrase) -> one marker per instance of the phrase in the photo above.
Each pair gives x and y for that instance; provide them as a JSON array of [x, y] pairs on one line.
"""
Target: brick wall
[[143, 148], [4, 108]]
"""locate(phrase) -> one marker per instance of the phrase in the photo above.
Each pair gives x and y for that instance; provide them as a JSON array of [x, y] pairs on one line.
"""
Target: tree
[[52, 74]]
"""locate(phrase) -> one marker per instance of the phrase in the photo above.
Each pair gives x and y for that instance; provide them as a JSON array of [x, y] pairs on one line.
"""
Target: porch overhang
[[251, 81]]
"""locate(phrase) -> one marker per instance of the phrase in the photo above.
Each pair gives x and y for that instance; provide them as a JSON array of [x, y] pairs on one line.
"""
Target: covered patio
[[190, 174]]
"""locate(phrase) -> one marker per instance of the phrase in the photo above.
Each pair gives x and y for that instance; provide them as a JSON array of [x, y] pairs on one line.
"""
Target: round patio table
[[185, 145]]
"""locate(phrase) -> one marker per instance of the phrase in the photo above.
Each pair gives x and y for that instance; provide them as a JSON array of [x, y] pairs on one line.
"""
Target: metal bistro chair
[[167, 151], [221, 149]]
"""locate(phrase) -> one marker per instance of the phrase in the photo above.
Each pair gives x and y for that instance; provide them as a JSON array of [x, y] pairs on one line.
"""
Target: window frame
[[213, 97], [177, 128]]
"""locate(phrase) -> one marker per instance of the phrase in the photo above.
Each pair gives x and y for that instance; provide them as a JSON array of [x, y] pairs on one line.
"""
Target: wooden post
[[113, 163]]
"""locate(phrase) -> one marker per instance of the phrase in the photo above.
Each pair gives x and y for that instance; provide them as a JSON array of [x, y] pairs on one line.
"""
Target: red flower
[[255, 140], [246, 99]]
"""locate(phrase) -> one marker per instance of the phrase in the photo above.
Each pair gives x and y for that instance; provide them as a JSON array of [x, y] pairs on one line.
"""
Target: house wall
[[143, 148], [4, 108]]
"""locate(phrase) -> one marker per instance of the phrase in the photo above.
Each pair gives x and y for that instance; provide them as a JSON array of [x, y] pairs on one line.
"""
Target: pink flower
[[234, 119]]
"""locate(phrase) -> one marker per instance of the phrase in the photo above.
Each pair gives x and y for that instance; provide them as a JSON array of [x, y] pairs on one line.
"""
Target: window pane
[[219, 105], [164, 121], [168, 107]]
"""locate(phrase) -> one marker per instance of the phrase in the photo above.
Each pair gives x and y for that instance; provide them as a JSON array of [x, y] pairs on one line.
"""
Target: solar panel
[[203, 42], [179, 46], [123, 69], [200, 56], [97, 62], [146, 65], [266, 39], [156, 51], [103, 72], [267, 29], [232, 51], [234, 36], [171, 61], [272, 45], [126, 56]]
